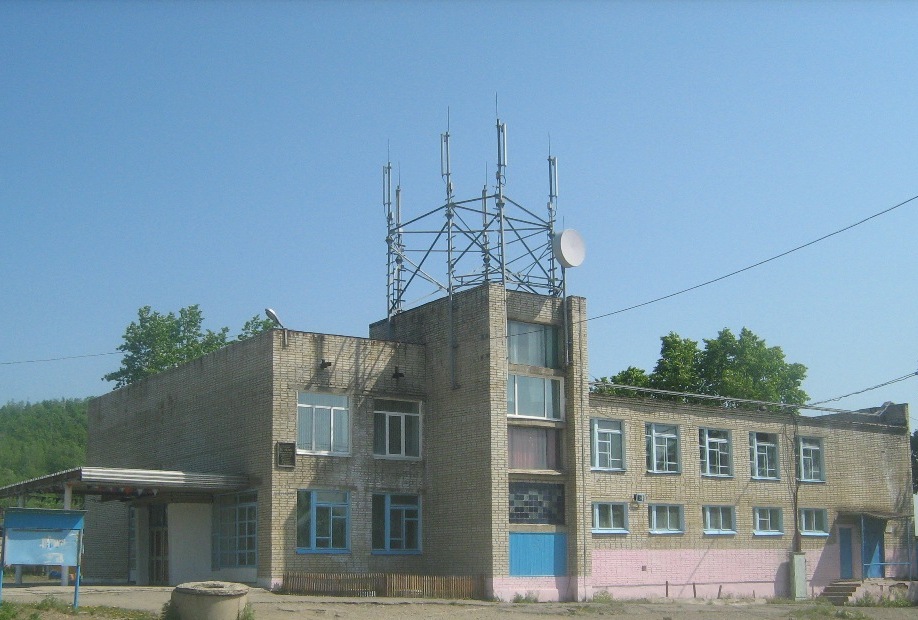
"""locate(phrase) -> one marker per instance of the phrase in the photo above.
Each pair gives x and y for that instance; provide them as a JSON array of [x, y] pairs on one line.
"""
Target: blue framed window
[[396, 523], [322, 521]]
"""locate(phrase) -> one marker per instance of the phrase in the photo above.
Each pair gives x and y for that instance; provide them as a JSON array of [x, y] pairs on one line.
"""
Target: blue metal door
[[873, 547], [846, 570], [533, 554]]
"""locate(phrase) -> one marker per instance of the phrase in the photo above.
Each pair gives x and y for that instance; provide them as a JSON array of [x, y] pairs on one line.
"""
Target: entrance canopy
[[113, 483]]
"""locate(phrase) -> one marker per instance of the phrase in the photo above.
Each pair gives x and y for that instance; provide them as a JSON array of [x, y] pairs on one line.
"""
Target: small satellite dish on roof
[[568, 248]]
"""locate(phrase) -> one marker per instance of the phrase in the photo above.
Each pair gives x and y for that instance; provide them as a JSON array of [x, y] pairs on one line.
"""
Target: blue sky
[[229, 154]]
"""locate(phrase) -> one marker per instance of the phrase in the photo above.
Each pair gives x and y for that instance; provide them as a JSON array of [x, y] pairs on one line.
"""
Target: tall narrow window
[[235, 518], [608, 446], [532, 344], [322, 423], [809, 460], [322, 521], [397, 428], [763, 455], [534, 447], [662, 448], [714, 446], [396, 523], [534, 397]]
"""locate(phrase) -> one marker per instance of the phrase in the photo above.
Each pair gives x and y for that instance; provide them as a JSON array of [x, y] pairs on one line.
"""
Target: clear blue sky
[[229, 154]]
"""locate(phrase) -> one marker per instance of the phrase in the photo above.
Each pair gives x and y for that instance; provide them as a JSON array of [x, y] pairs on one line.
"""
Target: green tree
[[156, 342], [739, 367]]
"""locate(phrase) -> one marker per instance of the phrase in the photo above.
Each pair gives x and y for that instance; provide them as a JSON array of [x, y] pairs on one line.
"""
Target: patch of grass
[[248, 613], [50, 603], [895, 599], [169, 612], [826, 610], [529, 597], [8, 611]]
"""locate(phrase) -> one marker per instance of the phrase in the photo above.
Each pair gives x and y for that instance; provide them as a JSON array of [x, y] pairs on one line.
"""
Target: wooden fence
[[385, 584]]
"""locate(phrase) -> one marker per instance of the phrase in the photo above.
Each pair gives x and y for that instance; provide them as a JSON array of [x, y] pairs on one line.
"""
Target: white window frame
[[402, 418], [544, 339], [654, 433], [337, 510], [721, 447], [602, 431], [713, 518], [666, 525], [809, 522], [772, 517], [769, 450], [611, 508], [810, 459], [513, 397], [335, 414]]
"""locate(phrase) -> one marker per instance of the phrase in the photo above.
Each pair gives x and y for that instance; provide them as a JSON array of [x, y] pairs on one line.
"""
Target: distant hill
[[41, 438]]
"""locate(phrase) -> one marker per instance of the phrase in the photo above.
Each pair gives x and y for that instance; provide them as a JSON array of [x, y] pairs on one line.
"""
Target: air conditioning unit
[[640, 498]]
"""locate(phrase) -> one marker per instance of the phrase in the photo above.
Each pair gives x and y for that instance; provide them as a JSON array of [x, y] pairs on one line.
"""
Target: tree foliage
[[738, 367], [156, 342], [41, 438]]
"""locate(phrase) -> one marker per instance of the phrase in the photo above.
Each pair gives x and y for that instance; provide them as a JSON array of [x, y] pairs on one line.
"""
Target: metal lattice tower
[[489, 238]]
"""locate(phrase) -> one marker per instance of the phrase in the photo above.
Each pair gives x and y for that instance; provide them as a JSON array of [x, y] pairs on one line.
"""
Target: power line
[[758, 264], [890, 382], [58, 359]]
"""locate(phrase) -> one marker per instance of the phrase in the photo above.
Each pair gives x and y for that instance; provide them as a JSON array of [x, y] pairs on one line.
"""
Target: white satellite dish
[[568, 248]]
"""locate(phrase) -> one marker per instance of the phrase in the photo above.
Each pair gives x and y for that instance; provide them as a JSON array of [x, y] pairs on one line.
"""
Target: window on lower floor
[[814, 522], [235, 519], [397, 428], [322, 521], [809, 460], [534, 397], [662, 448], [322, 423], [719, 520], [533, 448], [665, 519], [396, 523], [610, 518], [607, 444], [536, 503], [714, 446], [763, 455], [767, 522]]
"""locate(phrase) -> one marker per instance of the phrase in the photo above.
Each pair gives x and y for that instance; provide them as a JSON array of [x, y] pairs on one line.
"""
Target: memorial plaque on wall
[[285, 454]]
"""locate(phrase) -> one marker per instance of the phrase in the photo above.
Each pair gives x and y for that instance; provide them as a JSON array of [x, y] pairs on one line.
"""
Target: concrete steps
[[840, 592]]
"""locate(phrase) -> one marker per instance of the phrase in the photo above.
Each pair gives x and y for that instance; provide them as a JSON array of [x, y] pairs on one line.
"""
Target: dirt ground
[[269, 606]]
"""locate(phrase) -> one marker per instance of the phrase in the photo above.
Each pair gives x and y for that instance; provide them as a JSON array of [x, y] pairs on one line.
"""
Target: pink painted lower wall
[[710, 573], [534, 588]]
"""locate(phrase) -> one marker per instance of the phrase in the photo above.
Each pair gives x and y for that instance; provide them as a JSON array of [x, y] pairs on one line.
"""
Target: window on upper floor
[[665, 519], [810, 460], [532, 344], [767, 522], [534, 397], [532, 447], [397, 428], [396, 523], [607, 444], [662, 448], [814, 522], [718, 520], [610, 518], [323, 423], [714, 447], [235, 526], [322, 521], [763, 455]]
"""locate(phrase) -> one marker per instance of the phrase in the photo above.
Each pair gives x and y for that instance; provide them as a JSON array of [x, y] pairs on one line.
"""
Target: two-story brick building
[[461, 438]]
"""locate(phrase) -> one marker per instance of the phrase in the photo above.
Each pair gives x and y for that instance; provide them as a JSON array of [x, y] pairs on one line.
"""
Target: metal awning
[[126, 483], [876, 514]]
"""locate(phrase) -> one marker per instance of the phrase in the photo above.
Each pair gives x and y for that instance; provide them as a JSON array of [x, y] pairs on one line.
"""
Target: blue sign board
[[43, 537]]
